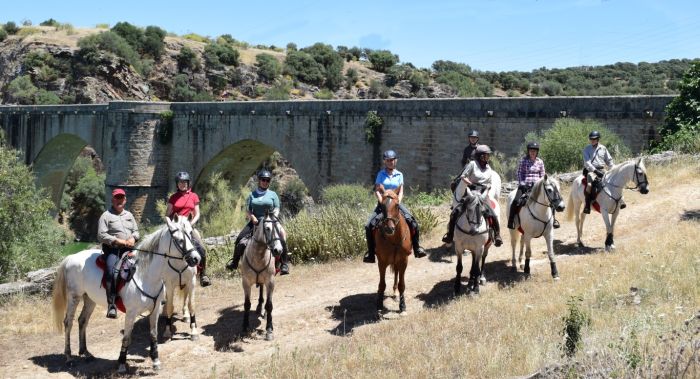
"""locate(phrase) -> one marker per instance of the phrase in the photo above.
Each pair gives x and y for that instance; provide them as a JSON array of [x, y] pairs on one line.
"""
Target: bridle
[[386, 229], [551, 199], [477, 219], [639, 178], [269, 240]]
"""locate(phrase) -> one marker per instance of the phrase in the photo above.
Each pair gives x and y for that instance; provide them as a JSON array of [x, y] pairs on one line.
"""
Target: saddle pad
[[101, 264], [595, 204]]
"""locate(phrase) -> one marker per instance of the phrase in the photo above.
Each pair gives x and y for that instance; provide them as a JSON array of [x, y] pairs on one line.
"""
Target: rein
[[635, 178], [549, 205], [269, 239]]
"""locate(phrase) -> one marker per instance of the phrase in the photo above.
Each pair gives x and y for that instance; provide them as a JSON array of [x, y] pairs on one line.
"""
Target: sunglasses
[[264, 179]]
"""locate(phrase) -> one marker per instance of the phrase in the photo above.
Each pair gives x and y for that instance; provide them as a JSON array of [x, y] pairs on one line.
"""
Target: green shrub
[[574, 324], [181, 90], [352, 195], [21, 90], [324, 94], [351, 77], [397, 73], [110, 42], [50, 22], [216, 55], [331, 62], [44, 97], [11, 28], [102, 26], [152, 43], [561, 147], [681, 131], [373, 127], [377, 89], [3, 34], [506, 167], [29, 238], [187, 59], [426, 218], [291, 47], [293, 196], [302, 66], [87, 205], [196, 37], [268, 66], [326, 233], [222, 207], [132, 34], [279, 91], [382, 59], [419, 80]]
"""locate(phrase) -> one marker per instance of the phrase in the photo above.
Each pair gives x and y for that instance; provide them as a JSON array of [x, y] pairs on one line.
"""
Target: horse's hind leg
[[73, 301], [549, 238], [83, 319], [169, 310], [153, 334], [268, 309], [194, 333], [458, 279]]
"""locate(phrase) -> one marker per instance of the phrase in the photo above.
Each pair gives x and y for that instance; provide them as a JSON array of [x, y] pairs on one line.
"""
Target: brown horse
[[393, 246]]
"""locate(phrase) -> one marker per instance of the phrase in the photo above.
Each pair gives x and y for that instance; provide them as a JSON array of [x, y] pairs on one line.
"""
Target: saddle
[[127, 268]]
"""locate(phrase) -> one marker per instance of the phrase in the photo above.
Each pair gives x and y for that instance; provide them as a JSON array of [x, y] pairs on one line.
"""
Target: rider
[[391, 179], [468, 154], [185, 203], [530, 170], [259, 202], [596, 157], [477, 173], [117, 232]]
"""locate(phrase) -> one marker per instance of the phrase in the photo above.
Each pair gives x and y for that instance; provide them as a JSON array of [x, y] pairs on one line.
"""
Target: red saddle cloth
[[101, 264], [594, 204]]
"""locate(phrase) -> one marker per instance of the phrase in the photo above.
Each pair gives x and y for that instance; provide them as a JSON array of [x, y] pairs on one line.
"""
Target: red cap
[[118, 192]]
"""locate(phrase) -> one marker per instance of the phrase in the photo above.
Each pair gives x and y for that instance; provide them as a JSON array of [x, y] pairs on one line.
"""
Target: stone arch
[[54, 161]]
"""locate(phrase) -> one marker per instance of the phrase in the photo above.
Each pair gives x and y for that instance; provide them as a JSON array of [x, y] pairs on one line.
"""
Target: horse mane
[[147, 246], [536, 189], [389, 193], [618, 167]]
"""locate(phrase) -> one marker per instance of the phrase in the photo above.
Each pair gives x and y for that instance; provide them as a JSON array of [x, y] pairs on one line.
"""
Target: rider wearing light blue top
[[391, 179], [259, 203]]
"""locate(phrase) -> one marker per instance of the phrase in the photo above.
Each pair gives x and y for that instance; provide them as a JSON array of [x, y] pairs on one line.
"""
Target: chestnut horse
[[392, 246]]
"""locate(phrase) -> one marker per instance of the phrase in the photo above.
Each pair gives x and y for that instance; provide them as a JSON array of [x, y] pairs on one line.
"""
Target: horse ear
[[170, 223], [380, 188]]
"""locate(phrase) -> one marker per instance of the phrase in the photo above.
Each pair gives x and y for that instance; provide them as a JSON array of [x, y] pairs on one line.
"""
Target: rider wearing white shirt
[[596, 158]]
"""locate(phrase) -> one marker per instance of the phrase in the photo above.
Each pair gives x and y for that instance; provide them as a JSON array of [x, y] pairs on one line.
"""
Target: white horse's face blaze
[[554, 195], [181, 235], [272, 236]]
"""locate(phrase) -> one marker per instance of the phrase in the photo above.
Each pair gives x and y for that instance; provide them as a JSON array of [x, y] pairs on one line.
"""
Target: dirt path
[[315, 305]]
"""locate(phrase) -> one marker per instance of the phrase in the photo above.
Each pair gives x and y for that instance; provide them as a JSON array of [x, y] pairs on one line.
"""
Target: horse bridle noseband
[[550, 205]]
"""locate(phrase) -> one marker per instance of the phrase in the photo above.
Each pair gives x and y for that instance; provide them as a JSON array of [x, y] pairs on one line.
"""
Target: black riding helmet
[[533, 145], [264, 174], [182, 176], [594, 135], [473, 133]]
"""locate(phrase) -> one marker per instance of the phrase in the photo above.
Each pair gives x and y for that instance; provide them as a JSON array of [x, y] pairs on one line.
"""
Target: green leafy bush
[[324, 94], [373, 127], [268, 66], [87, 205], [353, 195], [293, 196], [21, 90], [111, 42], [222, 207], [561, 147], [681, 131], [187, 59], [11, 28], [44, 97], [196, 37], [377, 90], [216, 55], [575, 323], [3, 34], [382, 59], [50, 22], [279, 91], [302, 66], [152, 43], [351, 77]]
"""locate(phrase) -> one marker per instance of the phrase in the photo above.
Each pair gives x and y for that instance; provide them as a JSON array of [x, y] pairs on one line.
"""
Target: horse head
[[390, 209], [267, 232], [640, 176], [553, 193], [180, 231]]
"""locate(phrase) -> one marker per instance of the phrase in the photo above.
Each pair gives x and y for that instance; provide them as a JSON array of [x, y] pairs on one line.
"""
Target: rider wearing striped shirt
[[530, 170], [596, 158]]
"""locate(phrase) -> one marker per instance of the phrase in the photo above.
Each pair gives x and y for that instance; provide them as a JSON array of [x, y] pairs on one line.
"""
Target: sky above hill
[[487, 35]]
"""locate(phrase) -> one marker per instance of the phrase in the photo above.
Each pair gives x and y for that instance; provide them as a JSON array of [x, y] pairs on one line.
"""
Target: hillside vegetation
[[56, 63]]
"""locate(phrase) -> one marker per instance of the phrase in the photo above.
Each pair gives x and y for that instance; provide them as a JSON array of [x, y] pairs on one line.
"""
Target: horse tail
[[570, 204], [59, 297]]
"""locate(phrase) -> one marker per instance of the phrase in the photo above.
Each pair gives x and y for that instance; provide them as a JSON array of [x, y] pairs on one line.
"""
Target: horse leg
[[458, 279], [528, 254], [482, 277], [153, 334], [608, 228], [396, 283], [548, 237], [268, 309], [83, 319], [126, 340], [246, 308], [522, 252], [169, 310], [513, 242], [612, 229], [382, 286], [194, 333], [475, 271], [259, 307], [402, 287], [73, 301]]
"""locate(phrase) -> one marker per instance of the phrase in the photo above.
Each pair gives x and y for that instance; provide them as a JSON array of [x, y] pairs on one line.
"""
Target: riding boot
[[204, 280], [284, 259], [511, 216], [237, 254], [497, 240], [418, 251], [587, 206], [369, 256], [111, 290], [447, 238]]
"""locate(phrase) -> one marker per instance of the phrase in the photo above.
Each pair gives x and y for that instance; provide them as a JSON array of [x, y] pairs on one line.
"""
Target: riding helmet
[[264, 174], [182, 176], [473, 133], [390, 154], [594, 135], [482, 149], [533, 145]]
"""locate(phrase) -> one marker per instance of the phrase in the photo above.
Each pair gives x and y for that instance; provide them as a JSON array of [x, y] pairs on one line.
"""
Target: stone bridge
[[143, 145]]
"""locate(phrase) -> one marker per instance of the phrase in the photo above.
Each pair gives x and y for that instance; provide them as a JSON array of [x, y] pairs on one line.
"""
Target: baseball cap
[[118, 192]]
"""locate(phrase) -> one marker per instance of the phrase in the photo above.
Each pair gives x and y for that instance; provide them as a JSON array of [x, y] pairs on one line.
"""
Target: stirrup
[[231, 265], [447, 238], [204, 281]]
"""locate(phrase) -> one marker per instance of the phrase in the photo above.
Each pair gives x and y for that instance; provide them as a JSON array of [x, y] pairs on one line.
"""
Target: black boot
[[623, 205], [497, 240], [237, 254], [587, 206], [110, 288], [511, 216], [418, 251], [284, 259], [449, 236], [369, 256], [204, 280]]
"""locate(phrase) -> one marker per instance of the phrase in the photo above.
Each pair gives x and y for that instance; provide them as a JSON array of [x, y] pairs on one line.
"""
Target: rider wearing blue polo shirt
[[391, 179]]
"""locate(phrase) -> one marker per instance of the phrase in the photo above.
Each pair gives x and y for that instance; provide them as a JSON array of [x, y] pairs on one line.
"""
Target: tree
[[682, 128], [21, 90], [133, 35], [87, 204], [216, 55], [331, 61], [11, 28], [153, 44], [382, 59], [302, 66], [268, 66], [187, 59]]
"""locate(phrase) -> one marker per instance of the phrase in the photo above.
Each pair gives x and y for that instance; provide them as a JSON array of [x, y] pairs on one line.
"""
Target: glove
[[598, 173]]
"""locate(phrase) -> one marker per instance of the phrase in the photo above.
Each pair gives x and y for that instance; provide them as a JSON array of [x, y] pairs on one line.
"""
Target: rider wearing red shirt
[[185, 203]]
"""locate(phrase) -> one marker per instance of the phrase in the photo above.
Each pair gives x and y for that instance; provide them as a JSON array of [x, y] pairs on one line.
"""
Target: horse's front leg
[[246, 307], [126, 340], [402, 287], [528, 254], [458, 279], [549, 238], [259, 307], [475, 271], [73, 301], [83, 319], [268, 309], [169, 310], [382, 286], [194, 332], [612, 228], [608, 229], [153, 334], [522, 251], [396, 283], [482, 277]]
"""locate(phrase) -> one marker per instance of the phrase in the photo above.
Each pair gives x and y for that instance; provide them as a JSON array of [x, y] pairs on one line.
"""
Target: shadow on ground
[[228, 327], [353, 311], [572, 249], [691, 215], [441, 254]]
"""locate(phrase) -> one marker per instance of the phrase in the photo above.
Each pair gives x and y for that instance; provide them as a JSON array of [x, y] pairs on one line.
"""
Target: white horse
[[180, 279], [609, 198], [535, 219], [472, 232], [78, 277], [259, 268]]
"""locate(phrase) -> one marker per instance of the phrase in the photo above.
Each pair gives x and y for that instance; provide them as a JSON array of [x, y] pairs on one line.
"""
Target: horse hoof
[[514, 268], [156, 365], [87, 356], [556, 278], [167, 336], [482, 280], [194, 337], [403, 313], [269, 336], [580, 244], [121, 369]]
